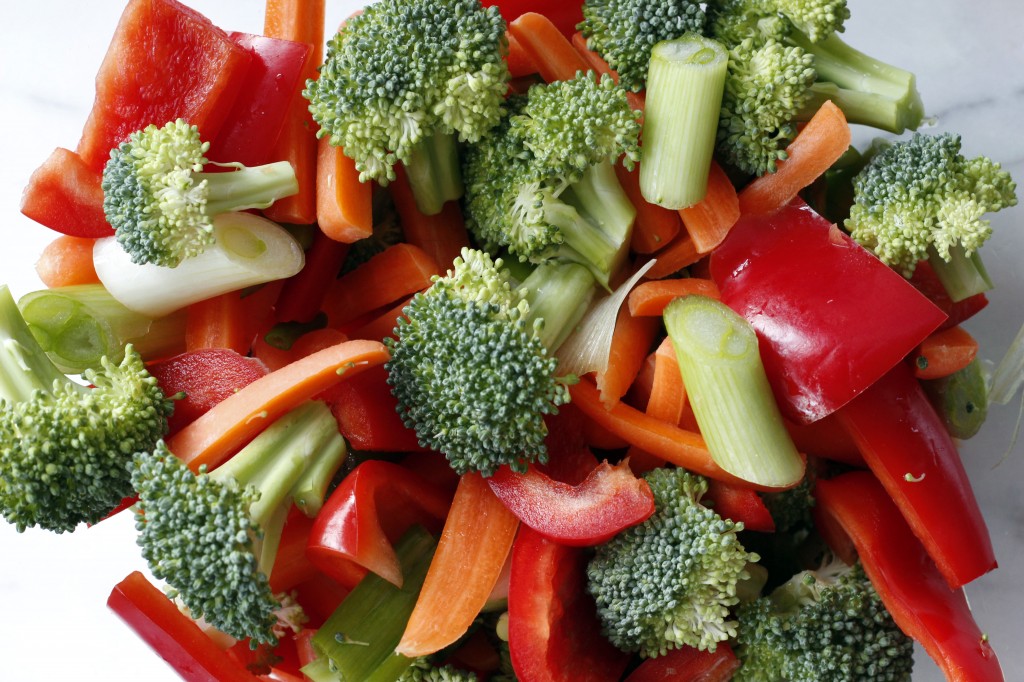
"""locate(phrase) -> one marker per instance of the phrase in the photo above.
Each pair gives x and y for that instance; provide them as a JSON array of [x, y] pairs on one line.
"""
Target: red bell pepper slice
[[563, 14], [830, 316], [688, 664], [172, 634], [908, 448], [165, 61], [252, 125], [731, 501], [608, 501], [371, 509], [65, 195], [855, 508], [553, 630], [367, 415]]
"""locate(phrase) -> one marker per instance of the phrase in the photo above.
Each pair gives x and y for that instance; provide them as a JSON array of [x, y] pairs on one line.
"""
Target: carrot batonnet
[[710, 219], [682, 252], [519, 62], [654, 226], [945, 352], [218, 322], [473, 549], [551, 53], [822, 141], [67, 261], [381, 326], [649, 299], [344, 205], [666, 401], [631, 342], [222, 430], [441, 236]]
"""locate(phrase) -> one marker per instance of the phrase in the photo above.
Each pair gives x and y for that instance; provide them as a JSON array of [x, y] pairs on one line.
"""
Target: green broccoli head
[[624, 31], [405, 69], [733, 21], [922, 194], [670, 581], [422, 670], [471, 375], [828, 624], [817, 19]]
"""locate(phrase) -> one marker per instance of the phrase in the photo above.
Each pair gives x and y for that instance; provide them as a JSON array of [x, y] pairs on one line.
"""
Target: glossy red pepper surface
[[688, 664], [65, 195]]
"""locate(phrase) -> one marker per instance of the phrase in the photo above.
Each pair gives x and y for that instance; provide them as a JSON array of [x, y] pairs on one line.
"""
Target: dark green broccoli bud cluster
[[422, 670], [828, 624], [624, 31], [791, 509], [670, 581], [733, 21]]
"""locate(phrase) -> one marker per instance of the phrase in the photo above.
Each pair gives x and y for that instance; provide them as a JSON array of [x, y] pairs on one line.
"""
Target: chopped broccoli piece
[[401, 79], [422, 670], [828, 624], [670, 581], [469, 365], [624, 31], [65, 449], [160, 203], [736, 20]]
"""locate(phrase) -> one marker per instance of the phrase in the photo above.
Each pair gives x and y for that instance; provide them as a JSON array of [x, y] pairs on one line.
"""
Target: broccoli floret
[[624, 31], [65, 449], [543, 183], [213, 537], [471, 365], [734, 21], [670, 581], [402, 79], [921, 198], [828, 624], [160, 203], [422, 670]]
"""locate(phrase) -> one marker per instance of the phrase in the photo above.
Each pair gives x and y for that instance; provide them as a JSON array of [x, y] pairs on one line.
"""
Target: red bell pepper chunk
[[855, 508], [172, 634], [371, 509], [688, 664], [565, 15], [367, 415], [740, 504], [252, 125], [165, 61], [65, 195], [553, 631], [908, 448], [830, 316]]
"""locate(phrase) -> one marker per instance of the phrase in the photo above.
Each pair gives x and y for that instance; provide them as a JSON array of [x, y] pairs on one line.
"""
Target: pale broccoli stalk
[[922, 199], [160, 202], [402, 80], [66, 449], [670, 581], [827, 624], [213, 536], [471, 366]]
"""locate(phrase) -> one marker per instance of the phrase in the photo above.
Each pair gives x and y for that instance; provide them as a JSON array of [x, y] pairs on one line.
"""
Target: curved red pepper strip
[[373, 506], [908, 448], [741, 504], [688, 664], [855, 508], [553, 631]]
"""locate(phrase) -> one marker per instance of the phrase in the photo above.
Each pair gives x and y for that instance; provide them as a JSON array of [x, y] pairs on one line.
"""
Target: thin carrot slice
[[218, 322], [682, 252], [67, 261], [304, 293], [218, 434], [650, 298], [944, 352], [631, 342], [441, 236], [637, 100], [519, 62], [344, 205], [666, 401], [307, 344], [822, 141], [551, 53], [654, 226], [474, 545], [710, 219]]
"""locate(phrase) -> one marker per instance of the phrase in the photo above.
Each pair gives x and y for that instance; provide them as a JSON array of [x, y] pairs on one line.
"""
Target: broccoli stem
[[684, 99], [599, 198], [24, 365], [729, 392], [559, 294], [962, 276], [582, 241], [434, 172], [244, 188], [863, 108]]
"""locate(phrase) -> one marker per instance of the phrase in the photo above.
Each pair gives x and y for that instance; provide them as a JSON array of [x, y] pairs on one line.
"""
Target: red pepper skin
[[367, 415], [182, 66], [171, 634], [608, 501], [855, 507], [553, 631], [688, 664], [562, 13], [830, 316], [374, 505], [65, 195], [899, 433], [740, 504], [927, 282]]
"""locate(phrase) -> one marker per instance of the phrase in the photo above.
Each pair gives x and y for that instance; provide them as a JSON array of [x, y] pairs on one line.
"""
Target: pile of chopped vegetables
[[505, 341]]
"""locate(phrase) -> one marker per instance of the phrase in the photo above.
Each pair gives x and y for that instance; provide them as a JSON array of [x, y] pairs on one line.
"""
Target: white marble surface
[[969, 58]]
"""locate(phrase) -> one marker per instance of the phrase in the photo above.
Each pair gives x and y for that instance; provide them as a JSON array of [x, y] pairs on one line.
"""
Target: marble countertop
[[970, 67]]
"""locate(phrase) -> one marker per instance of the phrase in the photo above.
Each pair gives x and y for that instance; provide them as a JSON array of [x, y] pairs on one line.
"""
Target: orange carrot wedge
[[218, 322], [441, 236], [474, 545], [344, 205], [303, 22], [944, 352], [631, 342], [680, 253], [666, 402], [597, 63], [223, 429], [381, 326], [67, 261], [822, 141], [551, 53], [519, 62], [654, 226], [649, 299], [710, 219]]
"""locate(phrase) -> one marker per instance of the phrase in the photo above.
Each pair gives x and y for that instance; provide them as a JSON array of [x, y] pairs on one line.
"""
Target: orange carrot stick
[[218, 322], [474, 545], [67, 261], [442, 236], [655, 226], [519, 62], [631, 341], [596, 62], [307, 344], [680, 253], [383, 325], [303, 22], [551, 53], [944, 353], [344, 205], [710, 219], [666, 401], [822, 141], [223, 429], [650, 298]]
